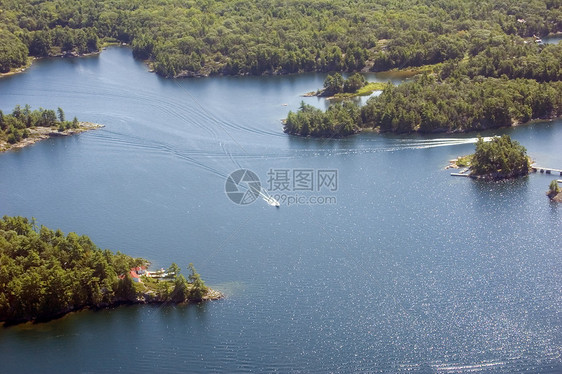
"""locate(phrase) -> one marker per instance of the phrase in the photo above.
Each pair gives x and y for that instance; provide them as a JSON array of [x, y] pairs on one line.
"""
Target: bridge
[[542, 169]]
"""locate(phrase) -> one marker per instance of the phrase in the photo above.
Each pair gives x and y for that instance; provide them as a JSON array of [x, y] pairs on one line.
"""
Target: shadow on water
[[190, 316], [70, 326], [319, 144], [491, 193], [494, 199], [69, 62]]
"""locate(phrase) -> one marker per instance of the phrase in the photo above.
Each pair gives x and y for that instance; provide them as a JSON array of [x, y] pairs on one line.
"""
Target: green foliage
[[60, 114], [431, 105], [256, 37], [174, 269], [56, 39], [13, 52], [339, 120], [499, 158], [125, 290], [180, 293], [333, 84], [511, 57], [464, 161], [370, 87], [553, 188], [44, 273], [354, 83], [198, 288], [14, 126]]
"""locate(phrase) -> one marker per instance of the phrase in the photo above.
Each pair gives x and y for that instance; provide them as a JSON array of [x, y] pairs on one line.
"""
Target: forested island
[[497, 159], [24, 126], [45, 274]]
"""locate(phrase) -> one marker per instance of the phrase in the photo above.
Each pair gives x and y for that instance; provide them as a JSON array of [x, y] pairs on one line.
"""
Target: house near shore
[[136, 273]]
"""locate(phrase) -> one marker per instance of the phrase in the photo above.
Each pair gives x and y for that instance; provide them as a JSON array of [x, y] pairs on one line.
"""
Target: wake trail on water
[[213, 161], [231, 125], [223, 152], [137, 143], [166, 105], [439, 142], [224, 124], [389, 145]]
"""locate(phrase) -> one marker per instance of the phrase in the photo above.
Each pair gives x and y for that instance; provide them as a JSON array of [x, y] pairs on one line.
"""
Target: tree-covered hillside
[[186, 37]]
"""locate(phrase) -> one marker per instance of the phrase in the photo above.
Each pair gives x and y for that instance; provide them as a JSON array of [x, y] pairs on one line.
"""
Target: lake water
[[402, 269], [553, 39]]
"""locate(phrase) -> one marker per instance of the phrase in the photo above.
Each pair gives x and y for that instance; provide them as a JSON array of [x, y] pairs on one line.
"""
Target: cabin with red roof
[[136, 273]]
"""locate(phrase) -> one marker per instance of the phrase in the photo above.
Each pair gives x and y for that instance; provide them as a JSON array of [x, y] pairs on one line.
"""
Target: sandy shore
[[41, 133]]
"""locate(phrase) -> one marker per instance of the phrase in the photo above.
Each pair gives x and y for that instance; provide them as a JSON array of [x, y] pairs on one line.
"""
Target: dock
[[545, 170], [462, 173]]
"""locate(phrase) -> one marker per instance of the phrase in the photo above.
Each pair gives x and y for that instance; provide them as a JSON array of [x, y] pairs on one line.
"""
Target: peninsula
[[45, 274], [24, 127]]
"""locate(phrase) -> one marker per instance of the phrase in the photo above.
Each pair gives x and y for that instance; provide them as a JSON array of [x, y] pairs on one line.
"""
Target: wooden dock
[[463, 173], [460, 175], [542, 169]]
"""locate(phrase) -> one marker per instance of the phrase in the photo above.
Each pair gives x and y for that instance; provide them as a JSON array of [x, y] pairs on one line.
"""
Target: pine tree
[[60, 113]]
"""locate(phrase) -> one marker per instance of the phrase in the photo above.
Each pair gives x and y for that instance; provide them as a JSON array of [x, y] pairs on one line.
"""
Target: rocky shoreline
[[22, 69], [143, 299], [556, 198], [150, 297], [41, 133]]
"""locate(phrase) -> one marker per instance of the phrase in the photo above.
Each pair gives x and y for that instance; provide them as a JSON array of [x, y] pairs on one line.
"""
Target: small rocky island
[[554, 192], [24, 127], [497, 159], [45, 274]]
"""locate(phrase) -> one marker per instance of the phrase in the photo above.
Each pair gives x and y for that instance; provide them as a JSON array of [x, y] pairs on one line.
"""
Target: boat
[[273, 202]]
